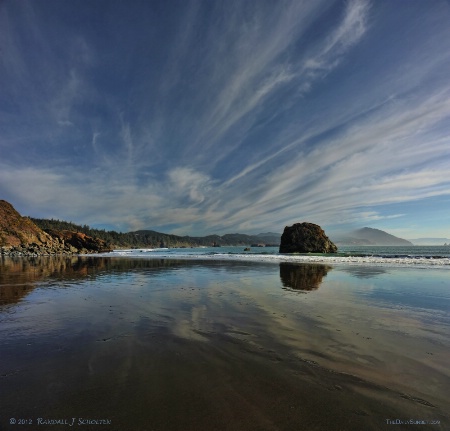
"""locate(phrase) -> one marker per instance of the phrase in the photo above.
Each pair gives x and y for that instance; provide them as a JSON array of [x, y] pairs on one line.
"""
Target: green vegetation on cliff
[[153, 239], [50, 235], [20, 236], [112, 238]]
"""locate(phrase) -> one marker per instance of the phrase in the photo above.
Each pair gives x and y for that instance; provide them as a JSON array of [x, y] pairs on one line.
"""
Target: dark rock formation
[[80, 241], [19, 236], [305, 238]]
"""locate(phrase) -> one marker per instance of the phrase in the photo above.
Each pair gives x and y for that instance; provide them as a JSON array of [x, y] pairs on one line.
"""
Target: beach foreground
[[160, 344]]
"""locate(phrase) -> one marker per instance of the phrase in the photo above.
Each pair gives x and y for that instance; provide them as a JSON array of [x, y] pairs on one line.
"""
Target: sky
[[222, 116]]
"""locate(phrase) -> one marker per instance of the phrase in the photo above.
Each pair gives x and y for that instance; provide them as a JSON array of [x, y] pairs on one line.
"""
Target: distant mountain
[[430, 241], [370, 236]]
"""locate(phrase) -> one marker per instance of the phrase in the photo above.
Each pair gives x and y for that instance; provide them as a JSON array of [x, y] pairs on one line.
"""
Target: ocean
[[222, 339], [425, 256]]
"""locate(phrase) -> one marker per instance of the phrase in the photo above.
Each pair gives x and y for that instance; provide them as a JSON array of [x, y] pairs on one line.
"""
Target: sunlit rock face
[[306, 238], [16, 230], [19, 236], [79, 241]]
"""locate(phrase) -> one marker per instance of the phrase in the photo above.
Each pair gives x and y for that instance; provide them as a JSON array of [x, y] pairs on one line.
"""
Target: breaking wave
[[384, 256]]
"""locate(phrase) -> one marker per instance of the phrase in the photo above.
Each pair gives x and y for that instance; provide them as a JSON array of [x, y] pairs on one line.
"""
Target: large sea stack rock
[[305, 238]]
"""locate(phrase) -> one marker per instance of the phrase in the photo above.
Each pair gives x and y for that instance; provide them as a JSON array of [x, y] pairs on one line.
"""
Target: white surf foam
[[427, 262]]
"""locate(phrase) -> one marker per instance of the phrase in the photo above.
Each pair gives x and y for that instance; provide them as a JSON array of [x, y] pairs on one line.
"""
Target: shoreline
[[426, 262], [429, 256], [35, 250]]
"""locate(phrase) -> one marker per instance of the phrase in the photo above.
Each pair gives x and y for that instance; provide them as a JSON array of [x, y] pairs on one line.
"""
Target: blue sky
[[197, 117]]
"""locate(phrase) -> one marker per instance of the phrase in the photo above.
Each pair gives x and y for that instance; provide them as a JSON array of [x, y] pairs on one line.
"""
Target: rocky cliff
[[305, 238], [16, 230], [19, 236]]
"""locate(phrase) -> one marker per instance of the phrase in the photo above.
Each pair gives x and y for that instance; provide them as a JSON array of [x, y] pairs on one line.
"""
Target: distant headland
[[370, 236]]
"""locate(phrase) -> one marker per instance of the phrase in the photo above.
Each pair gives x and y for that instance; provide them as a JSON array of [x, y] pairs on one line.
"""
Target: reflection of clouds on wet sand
[[337, 326], [365, 271], [126, 315], [192, 328]]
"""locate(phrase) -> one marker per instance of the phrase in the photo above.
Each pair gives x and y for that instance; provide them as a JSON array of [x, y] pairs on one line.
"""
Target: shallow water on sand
[[174, 344]]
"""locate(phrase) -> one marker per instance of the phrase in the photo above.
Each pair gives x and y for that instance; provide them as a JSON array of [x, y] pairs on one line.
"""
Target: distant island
[[431, 241]]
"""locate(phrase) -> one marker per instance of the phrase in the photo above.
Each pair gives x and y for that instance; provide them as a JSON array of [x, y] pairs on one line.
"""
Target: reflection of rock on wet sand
[[302, 276], [13, 294], [20, 275]]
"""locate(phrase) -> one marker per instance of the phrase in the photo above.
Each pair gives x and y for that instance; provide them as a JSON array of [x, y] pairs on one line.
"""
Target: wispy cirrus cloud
[[246, 62], [263, 66], [330, 51], [384, 159], [226, 116]]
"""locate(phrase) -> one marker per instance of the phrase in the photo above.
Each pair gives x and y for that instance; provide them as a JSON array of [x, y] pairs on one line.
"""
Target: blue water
[[393, 251], [429, 256]]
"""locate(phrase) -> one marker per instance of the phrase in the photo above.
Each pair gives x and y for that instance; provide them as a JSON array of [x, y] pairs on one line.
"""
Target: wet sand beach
[[149, 344]]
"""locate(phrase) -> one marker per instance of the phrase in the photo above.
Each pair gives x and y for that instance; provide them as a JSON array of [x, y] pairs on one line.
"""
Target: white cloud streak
[[257, 72], [381, 161], [333, 158], [254, 71], [331, 50]]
